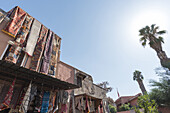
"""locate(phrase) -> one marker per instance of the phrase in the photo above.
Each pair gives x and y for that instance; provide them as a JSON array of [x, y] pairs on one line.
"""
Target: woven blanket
[[51, 101], [37, 55], [23, 32], [26, 99], [33, 36], [47, 53], [8, 97], [38, 101], [2, 15], [54, 55], [17, 18], [13, 53], [15, 50], [45, 102]]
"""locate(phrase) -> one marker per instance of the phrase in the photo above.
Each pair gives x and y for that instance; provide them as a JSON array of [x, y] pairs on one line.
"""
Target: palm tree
[[105, 86], [139, 77], [152, 35]]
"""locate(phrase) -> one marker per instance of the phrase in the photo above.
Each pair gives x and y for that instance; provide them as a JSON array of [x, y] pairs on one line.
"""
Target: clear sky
[[100, 37]]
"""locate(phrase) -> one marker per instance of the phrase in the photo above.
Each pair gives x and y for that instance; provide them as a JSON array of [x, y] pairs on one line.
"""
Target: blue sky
[[100, 37]]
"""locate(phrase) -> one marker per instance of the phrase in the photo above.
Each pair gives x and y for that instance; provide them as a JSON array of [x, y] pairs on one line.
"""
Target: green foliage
[[137, 75], [112, 109], [161, 91], [124, 107], [152, 35], [147, 104]]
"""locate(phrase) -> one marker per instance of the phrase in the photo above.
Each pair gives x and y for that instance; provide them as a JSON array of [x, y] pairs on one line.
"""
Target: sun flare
[[148, 18]]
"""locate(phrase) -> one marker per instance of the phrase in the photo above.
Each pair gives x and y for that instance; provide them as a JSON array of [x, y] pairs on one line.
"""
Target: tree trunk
[[157, 46], [142, 87]]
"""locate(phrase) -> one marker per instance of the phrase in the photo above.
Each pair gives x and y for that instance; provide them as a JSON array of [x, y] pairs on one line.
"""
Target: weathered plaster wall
[[91, 89], [4, 38], [65, 72]]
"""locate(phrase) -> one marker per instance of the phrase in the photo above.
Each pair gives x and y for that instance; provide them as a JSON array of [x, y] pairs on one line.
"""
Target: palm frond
[[161, 39], [144, 43], [155, 30], [142, 31], [152, 27], [142, 39], [161, 32], [147, 29]]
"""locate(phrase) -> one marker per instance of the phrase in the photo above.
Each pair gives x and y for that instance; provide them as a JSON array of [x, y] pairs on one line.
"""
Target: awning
[[9, 71]]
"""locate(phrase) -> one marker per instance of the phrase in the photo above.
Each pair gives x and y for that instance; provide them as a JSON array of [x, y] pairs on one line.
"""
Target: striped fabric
[[33, 37], [51, 101], [54, 56], [26, 99], [17, 18], [45, 102], [8, 97], [37, 55], [47, 53], [15, 50]]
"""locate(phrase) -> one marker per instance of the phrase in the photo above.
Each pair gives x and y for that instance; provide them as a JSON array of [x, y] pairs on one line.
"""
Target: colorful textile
[[38, 101], [22, 34], [33, 92], [15, 50], [51, 104], [8, 97], [45, 102], [33, 37], [54, 55], [37, 55], [64, 108], [47, 53], [13, 53], [87, 105], [17, 18], [26, 99], [56, 102], [2, 15]]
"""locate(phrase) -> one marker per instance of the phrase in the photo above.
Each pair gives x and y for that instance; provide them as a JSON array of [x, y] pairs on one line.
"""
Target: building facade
[[32, 77]]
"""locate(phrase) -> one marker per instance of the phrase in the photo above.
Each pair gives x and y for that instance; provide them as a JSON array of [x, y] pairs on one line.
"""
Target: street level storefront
[[29, 53], [86, 103], [23, 90], [32, 77]]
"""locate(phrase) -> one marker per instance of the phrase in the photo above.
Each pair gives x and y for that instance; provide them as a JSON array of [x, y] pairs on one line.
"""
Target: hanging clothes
[[47, 53], [51, 104], [17, 18], [64, 108], [56, 102], [45, 102], [26, 100], [8, 97], [38, 101], [15, 50], [13, 53], [87, 105], [54, 55], [37, 55], [33, 37]]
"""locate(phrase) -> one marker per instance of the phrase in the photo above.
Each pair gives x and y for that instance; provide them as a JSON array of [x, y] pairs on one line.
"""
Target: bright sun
[[148, 18]]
